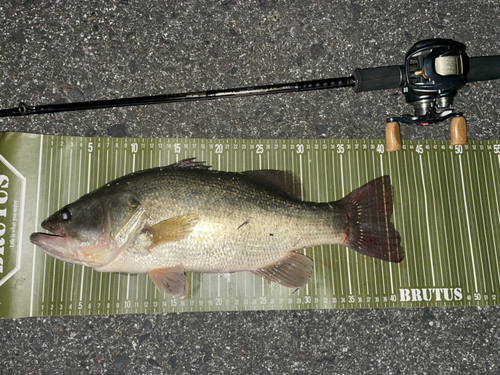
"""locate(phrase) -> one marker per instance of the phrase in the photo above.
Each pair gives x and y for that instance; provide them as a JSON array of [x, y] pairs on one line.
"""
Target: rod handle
[[483, 68], [384, 78]]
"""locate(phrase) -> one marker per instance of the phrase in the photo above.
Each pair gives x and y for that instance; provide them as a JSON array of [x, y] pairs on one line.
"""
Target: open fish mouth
[[53, 244], [62, 246], [40, 234]]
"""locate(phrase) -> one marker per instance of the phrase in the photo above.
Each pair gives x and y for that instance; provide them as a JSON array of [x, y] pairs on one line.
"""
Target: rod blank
[[322, 84]]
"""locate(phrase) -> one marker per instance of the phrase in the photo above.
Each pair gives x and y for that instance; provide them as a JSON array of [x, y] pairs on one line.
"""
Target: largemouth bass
[[187, 218]]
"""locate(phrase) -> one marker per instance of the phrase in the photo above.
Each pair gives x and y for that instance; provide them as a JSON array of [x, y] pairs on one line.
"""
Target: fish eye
[[65, 214]]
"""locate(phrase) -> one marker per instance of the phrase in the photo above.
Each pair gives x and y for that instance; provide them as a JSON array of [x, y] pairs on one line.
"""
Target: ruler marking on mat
[[484, 226], [391, 278], [473, 264], [426, 206], [475, 207], [37, 210], [495, 232]]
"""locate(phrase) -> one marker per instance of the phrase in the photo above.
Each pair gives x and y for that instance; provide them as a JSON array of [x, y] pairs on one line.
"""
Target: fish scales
[[186, 218], [242, 225]]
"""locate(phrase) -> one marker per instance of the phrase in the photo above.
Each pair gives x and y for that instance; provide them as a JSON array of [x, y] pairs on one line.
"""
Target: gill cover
[[93, 230]]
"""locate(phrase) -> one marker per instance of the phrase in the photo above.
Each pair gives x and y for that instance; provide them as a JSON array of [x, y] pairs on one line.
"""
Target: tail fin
[[369, 210]]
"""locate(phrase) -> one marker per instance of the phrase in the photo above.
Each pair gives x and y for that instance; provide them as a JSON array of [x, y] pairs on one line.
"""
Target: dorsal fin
[[189, 164], [284, 182]]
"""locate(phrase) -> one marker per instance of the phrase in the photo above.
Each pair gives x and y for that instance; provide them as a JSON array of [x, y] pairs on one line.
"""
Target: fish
[[186, 217]]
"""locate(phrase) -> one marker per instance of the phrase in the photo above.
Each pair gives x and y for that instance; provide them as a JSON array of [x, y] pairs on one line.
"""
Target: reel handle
[[392, 137], [458, 134], [458, 131]]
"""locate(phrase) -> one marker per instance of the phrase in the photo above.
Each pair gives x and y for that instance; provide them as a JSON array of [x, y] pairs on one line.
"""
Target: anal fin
[[171, 280], [293, 271]]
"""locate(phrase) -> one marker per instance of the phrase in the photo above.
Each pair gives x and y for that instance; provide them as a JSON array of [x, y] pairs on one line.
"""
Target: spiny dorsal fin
[[293, 271], [173, 229], [171, 280], [284, 182], [189, 164]]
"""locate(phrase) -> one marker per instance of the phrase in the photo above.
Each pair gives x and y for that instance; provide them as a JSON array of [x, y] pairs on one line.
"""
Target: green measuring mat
[[446, 208]]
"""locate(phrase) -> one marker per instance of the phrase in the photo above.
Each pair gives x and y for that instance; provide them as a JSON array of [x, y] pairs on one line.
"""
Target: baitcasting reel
[[434, 72]]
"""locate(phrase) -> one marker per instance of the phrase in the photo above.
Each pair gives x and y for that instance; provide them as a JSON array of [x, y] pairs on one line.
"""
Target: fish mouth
[[39, 238], [54, 244], [62, 246]]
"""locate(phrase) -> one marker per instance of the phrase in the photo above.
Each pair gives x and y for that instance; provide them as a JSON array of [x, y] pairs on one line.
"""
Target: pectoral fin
[[173, 229], [293, 271], [171, 280]]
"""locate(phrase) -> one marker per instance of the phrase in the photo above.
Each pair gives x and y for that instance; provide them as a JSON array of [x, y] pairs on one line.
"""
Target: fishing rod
[[433, 72]]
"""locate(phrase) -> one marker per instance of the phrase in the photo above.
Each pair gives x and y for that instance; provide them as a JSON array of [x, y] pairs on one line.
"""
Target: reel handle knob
[[392, 137], [458, 131]]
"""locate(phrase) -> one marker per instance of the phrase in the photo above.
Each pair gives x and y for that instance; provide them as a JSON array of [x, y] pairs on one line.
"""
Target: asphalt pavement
[[63, 51]]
